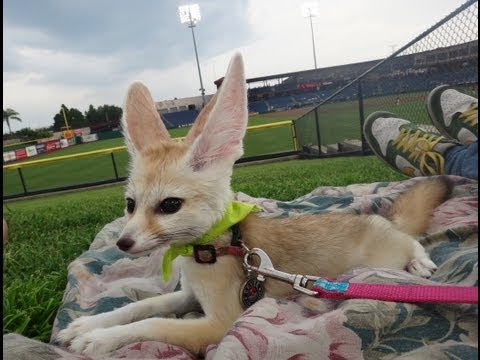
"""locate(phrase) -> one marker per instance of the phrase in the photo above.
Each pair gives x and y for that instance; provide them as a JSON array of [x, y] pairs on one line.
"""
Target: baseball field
[[337, 121]]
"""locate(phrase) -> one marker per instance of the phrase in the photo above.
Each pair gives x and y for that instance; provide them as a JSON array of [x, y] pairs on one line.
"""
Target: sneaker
[[404, 146], [455, 114]]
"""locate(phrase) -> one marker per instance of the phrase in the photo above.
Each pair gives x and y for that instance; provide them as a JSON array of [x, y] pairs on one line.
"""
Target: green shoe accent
[[404, 146], [454, 113]]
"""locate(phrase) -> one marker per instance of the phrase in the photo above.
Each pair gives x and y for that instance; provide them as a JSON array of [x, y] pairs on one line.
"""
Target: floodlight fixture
[[190, 14], [311, 10]]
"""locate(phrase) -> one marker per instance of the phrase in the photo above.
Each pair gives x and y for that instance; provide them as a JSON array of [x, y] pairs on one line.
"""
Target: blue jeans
[[462, 160]]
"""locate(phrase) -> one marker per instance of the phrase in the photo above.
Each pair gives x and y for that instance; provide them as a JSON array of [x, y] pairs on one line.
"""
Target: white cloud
[[38, 102]]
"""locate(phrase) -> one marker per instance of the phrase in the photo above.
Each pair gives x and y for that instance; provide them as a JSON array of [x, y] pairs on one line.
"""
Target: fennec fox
[[178, 191]]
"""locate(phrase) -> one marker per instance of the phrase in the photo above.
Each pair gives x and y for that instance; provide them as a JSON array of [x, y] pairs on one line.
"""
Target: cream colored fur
[[198, 171]]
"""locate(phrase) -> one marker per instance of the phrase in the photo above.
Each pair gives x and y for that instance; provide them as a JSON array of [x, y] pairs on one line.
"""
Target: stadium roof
[[330, 69], [360, 66]]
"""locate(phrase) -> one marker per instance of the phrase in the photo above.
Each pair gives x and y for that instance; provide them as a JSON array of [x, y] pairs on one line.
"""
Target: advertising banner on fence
[[63, 143], [9, 156], [40, 148], [68, 134], [52, 145], [20, 154], [89, 138], [31, 150]]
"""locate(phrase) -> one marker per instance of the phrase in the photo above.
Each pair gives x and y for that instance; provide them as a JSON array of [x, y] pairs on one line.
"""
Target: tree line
[[105, 116]]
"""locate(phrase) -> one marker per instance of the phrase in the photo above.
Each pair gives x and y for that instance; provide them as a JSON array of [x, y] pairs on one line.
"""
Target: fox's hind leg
[[421, 264]]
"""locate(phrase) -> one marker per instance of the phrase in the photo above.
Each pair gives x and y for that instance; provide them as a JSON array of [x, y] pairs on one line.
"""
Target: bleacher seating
[[281, 102], [407, 73], [179, 118], [403, 75], [420, 82], [308, 98], [259, 106], [260, 90]]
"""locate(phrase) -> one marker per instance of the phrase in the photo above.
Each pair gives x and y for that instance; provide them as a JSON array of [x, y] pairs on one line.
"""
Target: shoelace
[[419, 147], [470, 116]]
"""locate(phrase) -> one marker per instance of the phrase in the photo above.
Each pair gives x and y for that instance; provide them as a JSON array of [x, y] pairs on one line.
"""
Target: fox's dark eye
[[130, 205], [169, 206]]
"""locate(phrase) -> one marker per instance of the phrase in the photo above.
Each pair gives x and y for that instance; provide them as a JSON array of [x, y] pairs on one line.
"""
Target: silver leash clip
[[265, 268]]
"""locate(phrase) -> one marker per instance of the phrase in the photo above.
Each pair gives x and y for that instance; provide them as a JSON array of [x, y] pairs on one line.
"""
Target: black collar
[[207, 254], [236, 235]]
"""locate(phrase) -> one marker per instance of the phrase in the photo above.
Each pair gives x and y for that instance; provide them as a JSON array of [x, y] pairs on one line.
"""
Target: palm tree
[[10, 114]]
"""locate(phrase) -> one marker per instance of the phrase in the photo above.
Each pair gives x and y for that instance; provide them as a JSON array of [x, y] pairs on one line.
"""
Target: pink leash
[[400, 293], [344, 290]]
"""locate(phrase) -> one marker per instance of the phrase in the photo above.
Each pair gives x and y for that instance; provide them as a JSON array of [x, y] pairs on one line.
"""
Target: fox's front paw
[[101, 341], [423, 267], [79, 327]]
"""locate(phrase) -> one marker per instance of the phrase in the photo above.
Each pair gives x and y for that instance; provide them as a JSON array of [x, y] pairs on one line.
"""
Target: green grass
[[340, 120], [65, 172], [81, 148], [46, 234], [100, 167], [110, 143], [337, 121]]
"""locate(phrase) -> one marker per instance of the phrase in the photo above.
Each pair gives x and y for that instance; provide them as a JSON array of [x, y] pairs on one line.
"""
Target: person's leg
[[454, 113], [462, 160], [406, 147]]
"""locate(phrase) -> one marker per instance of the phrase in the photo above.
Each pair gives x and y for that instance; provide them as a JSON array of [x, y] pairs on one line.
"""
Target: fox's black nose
[[125, 243]]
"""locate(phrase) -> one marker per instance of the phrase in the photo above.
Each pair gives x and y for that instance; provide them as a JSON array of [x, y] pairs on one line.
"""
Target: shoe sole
[[371, 118], [434, 98]]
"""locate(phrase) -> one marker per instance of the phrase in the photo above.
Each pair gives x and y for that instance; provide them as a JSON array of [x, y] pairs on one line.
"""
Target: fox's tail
[[412, 210]]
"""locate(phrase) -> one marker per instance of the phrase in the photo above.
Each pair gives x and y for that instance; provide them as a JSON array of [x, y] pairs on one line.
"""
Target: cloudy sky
[[82, 52]]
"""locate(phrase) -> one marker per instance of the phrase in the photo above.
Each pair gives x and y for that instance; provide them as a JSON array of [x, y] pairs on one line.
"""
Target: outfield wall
[[107, 166]]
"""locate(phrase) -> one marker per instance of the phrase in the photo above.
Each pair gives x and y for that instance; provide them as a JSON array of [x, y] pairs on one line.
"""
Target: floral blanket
[[300, 327]]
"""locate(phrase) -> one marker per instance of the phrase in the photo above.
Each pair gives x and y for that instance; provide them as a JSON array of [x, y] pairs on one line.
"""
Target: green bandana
[[235, 212]]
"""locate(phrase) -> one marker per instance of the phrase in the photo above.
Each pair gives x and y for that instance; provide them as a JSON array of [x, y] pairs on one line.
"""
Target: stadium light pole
[[311, 10], [190, 14]]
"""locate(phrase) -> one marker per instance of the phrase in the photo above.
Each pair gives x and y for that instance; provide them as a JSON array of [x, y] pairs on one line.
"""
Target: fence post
[[361, 113], [114, 166], [22, 180], [294, 136]]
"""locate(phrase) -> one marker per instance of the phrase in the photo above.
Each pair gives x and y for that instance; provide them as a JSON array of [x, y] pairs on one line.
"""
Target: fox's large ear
[[141, 122], [200, 121], [221, 138]]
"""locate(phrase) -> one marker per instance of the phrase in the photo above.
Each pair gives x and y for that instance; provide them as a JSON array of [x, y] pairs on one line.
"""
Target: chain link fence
[[447, 53], [99, 166]]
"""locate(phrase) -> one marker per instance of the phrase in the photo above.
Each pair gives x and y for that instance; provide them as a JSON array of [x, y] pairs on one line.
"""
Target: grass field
[[337, 121], [180, 132], [47, 233], [100, 167]]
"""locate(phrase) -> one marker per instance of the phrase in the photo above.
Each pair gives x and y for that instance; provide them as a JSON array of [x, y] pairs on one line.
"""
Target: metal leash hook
[[253, 288], [265, 268]]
